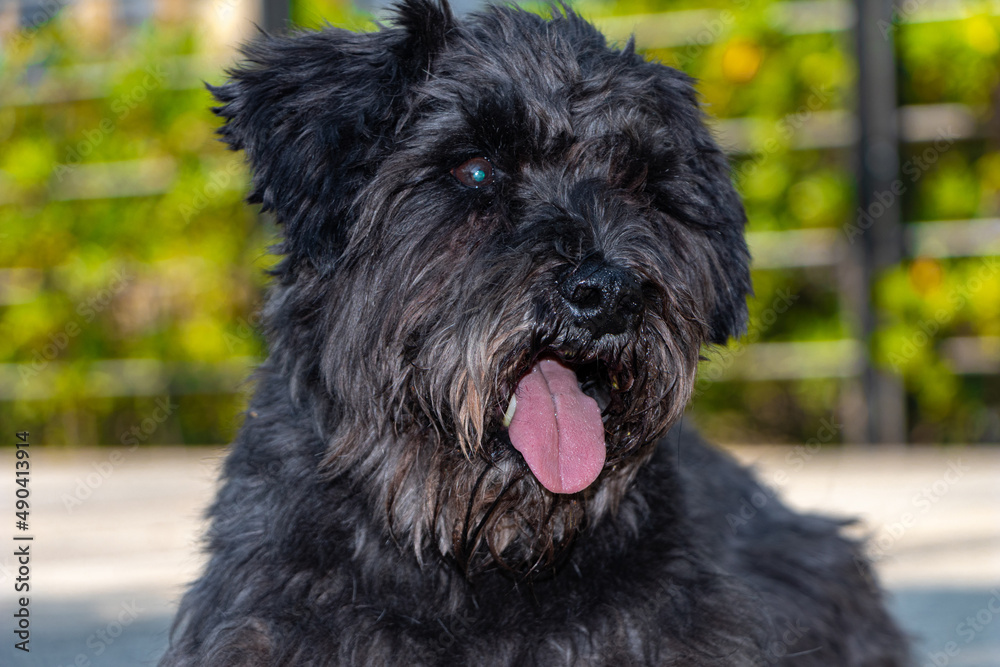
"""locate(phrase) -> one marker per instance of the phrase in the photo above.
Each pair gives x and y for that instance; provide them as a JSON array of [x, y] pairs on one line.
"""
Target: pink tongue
[[557, 428]]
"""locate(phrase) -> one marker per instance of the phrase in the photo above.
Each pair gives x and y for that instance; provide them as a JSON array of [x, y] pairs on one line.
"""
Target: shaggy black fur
[[460, 200]]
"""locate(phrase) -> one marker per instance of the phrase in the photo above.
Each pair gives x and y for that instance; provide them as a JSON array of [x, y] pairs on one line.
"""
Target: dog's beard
[[446, 473]]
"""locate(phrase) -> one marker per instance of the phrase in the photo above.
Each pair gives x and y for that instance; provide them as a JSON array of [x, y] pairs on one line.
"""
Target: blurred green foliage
[[123, 235], [748, 68]]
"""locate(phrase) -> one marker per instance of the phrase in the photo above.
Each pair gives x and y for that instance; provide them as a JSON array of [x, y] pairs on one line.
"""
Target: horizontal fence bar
[[971, 355], [81, 83], [795, 248], [814, 360], [20, 285], [700, 27], [940, 11], [126, 377], [953, 238], [838, 128], [146, 177], [798, 248], [802, 360], [786, 361], [111, 180], [931, 122], [738, 136]]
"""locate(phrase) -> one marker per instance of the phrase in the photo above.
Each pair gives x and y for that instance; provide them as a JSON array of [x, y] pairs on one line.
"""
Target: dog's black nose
[[604, 298]]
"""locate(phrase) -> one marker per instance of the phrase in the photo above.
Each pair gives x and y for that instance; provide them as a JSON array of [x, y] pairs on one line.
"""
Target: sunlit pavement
[[932, 518], [116, 540]]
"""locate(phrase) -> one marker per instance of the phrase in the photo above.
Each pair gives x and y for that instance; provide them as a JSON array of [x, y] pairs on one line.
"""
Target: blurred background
[[865, 140], [867, 152]]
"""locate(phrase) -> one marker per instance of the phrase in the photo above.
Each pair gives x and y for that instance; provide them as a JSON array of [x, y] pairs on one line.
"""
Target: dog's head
[[506, 243]]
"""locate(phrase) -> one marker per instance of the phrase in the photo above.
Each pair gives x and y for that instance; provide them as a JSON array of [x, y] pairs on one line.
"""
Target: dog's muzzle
[[556, 414]]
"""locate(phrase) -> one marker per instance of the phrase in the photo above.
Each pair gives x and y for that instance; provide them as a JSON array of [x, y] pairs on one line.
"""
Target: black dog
[[504, 245]]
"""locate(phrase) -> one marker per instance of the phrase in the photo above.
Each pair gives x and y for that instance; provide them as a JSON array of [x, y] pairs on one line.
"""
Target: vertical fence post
[[274, 15], [878, 243]]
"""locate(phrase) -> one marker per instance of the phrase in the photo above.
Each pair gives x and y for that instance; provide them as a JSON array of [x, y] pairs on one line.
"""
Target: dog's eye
[[474, 173]]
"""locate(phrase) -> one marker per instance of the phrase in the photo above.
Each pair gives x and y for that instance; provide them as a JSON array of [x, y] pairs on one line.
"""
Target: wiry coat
[[373, 510]]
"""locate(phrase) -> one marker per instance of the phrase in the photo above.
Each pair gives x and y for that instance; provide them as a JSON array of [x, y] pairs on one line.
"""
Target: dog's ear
[[721, 206], [315, 112], [703, 197]]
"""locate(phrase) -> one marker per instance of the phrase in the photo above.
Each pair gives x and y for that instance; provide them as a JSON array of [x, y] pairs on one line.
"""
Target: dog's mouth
[[555, 419]]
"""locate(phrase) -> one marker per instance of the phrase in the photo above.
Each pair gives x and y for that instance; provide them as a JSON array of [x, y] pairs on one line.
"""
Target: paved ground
[[115, 541]]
